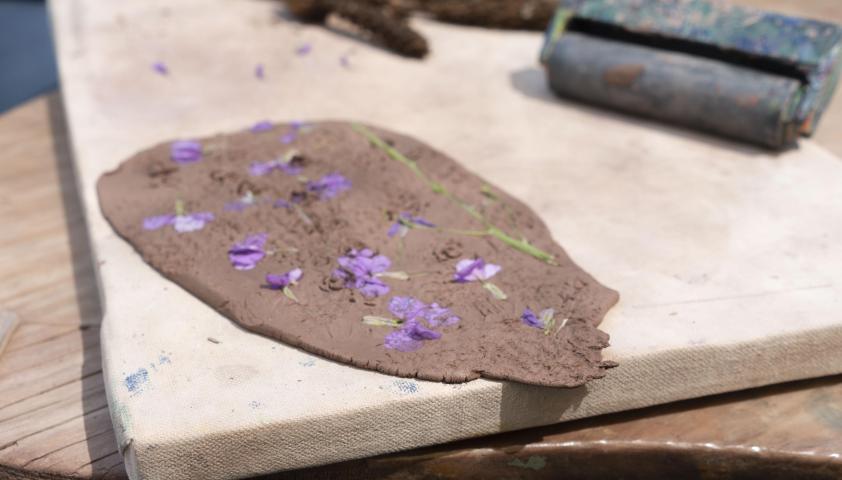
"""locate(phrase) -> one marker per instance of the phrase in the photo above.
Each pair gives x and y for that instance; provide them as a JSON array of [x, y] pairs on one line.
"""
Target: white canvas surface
[[726, 257]]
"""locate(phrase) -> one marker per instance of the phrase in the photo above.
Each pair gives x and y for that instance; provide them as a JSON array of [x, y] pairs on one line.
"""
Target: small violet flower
[[412, 332], [181, 223], [259, 71], [405, 222], [545, 320], [360, 268], [284, 282], [290, 164], [242, 203], [410, 337], [345, 61], [261, 126], [471, 270], [329, 186], [279, 282], [295, 127], [160, 68], [246, 254], [303, 49], [185, 151]]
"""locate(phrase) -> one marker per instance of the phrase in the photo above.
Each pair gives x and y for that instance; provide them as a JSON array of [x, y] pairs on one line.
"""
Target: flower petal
[[261, 126], [186, 151], [157, 221], [187, 223]]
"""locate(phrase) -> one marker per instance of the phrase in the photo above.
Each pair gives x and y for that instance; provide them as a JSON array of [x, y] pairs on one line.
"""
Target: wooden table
[[54, 419]]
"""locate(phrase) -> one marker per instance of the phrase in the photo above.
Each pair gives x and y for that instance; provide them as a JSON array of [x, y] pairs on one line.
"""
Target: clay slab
[[726, 258]]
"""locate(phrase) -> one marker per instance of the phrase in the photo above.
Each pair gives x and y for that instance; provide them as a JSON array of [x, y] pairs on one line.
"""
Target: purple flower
[[303, 49], [160, 68], [261, 126], [287, 164], [158, 221], [345, 61], [437, 315], [279, 282], [246, 254], [329, 186], [241, 204], [404, 222], [529, 318], [189, 222], [406, 308], [410, 308], [259, 71], [359, 269], [544, 320], [185, 151], [410, 337], [289, 137], [469, 270]]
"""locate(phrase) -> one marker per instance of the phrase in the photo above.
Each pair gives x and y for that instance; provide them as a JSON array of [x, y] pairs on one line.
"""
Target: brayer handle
[[676, 87]]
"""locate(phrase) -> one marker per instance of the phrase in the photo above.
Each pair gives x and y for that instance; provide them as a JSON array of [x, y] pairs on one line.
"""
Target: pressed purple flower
[[242, 203], [405, 222], [406, 308], [258, 169], [160, 68], [290, 169], [189, 222], [280, 282], [285, 164], [259, 71], [359, 269], [281, 203], [410, 337], [437, 315], [529, 318], [288, 137], [158, 221], [329, 186], [185, 151], [372, 287], [545, 320], [246, 254], [303, 49], [261, 126], [469, 270]]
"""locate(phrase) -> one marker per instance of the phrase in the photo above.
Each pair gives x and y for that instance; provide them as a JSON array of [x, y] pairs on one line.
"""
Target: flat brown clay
[[390, 175]]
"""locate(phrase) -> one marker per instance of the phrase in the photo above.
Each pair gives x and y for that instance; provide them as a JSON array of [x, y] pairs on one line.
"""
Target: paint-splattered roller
[[756, 76]]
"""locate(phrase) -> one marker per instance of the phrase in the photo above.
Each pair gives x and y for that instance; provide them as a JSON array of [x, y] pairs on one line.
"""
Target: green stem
[[471, 233], [520, 245], [179, 207]]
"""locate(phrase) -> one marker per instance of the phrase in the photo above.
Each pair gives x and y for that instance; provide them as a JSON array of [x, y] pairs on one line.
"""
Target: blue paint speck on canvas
[[405, 386], [162, 359], [308, 363], [136, 381]]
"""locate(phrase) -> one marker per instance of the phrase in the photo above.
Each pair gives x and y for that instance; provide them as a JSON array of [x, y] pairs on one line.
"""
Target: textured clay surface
[[311, 233]]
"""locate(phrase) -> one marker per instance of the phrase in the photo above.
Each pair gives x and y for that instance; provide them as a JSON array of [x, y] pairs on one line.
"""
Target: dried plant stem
[[520, 245]]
